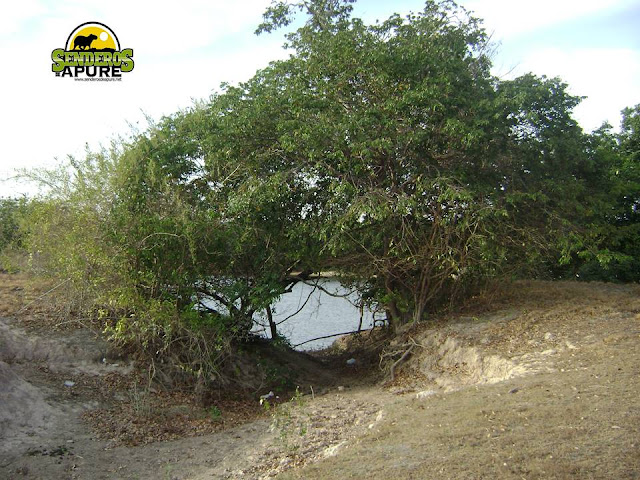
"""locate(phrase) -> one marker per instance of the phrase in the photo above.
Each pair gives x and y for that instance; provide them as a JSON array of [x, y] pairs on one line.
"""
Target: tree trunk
[[272, 325], [394, 316]]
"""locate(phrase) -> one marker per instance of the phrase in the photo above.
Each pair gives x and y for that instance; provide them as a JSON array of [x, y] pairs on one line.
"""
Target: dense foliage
[[386, 153], [10, 212]]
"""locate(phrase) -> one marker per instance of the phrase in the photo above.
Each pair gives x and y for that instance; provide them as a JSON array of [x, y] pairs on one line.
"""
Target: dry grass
[[40, 305], [575, 415], [145, 417]]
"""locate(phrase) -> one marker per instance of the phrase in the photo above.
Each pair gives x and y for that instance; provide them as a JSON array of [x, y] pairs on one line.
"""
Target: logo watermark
[[92, 53]]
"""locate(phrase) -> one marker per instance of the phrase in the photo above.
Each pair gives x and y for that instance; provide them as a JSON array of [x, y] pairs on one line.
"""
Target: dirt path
[[44, 436], [543, 385]]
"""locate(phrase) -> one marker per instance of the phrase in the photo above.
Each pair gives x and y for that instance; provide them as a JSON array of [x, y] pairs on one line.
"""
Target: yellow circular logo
[[92, 52], [93, 37]]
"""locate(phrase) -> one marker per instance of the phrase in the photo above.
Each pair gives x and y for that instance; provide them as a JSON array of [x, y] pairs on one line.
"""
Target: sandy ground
[[542, 382]]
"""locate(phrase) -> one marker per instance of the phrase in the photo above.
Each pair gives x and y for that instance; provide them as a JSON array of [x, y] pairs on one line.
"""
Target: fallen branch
[[399, 361], [328, 336], [408, 347]]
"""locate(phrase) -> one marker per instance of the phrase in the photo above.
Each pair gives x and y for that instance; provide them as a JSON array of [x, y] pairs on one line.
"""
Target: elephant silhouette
[[83, 42]]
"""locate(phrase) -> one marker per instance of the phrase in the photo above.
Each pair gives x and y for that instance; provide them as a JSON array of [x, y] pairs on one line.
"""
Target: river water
[[320, 314]]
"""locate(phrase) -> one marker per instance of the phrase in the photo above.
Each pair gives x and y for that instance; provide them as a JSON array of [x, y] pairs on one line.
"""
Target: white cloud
[[608, 77], [169, 27], [16, 14], [180, 53], [184, 49], [509, 18]]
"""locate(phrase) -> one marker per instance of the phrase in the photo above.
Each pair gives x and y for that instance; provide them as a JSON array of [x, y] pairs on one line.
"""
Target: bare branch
[[328, 336]]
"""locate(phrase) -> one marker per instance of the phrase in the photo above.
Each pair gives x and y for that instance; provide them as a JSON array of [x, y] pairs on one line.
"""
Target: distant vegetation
[[387, 153]]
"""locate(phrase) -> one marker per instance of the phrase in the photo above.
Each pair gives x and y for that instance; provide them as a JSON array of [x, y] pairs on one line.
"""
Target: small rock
[[267, 397], [425, 393], [341, 388], [69, 383], [332, 450]]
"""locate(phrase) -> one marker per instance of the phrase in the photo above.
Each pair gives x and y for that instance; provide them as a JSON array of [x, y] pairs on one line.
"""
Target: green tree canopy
[[387, 153]]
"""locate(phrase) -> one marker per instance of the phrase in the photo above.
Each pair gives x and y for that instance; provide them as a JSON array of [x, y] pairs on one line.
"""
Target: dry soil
[[541, 381]]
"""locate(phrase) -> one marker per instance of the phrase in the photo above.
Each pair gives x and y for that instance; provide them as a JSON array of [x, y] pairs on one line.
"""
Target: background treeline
[[386, 153]]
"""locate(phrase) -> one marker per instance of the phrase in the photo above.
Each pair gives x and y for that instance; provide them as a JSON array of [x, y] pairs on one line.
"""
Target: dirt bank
[[543, 387], [541, 383]]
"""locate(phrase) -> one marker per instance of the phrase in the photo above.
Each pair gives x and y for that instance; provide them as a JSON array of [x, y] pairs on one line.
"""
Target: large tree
[[429, 174], [609, 245], [387, 153]]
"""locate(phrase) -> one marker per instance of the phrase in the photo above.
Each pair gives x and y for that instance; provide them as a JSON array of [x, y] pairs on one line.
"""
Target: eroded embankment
[[540, 384]]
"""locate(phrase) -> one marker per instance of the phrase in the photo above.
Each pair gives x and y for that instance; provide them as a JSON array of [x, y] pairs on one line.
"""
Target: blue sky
[[184, 50]]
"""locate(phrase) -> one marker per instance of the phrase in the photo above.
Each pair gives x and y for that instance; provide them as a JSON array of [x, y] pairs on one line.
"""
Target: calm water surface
[[322, 315]]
